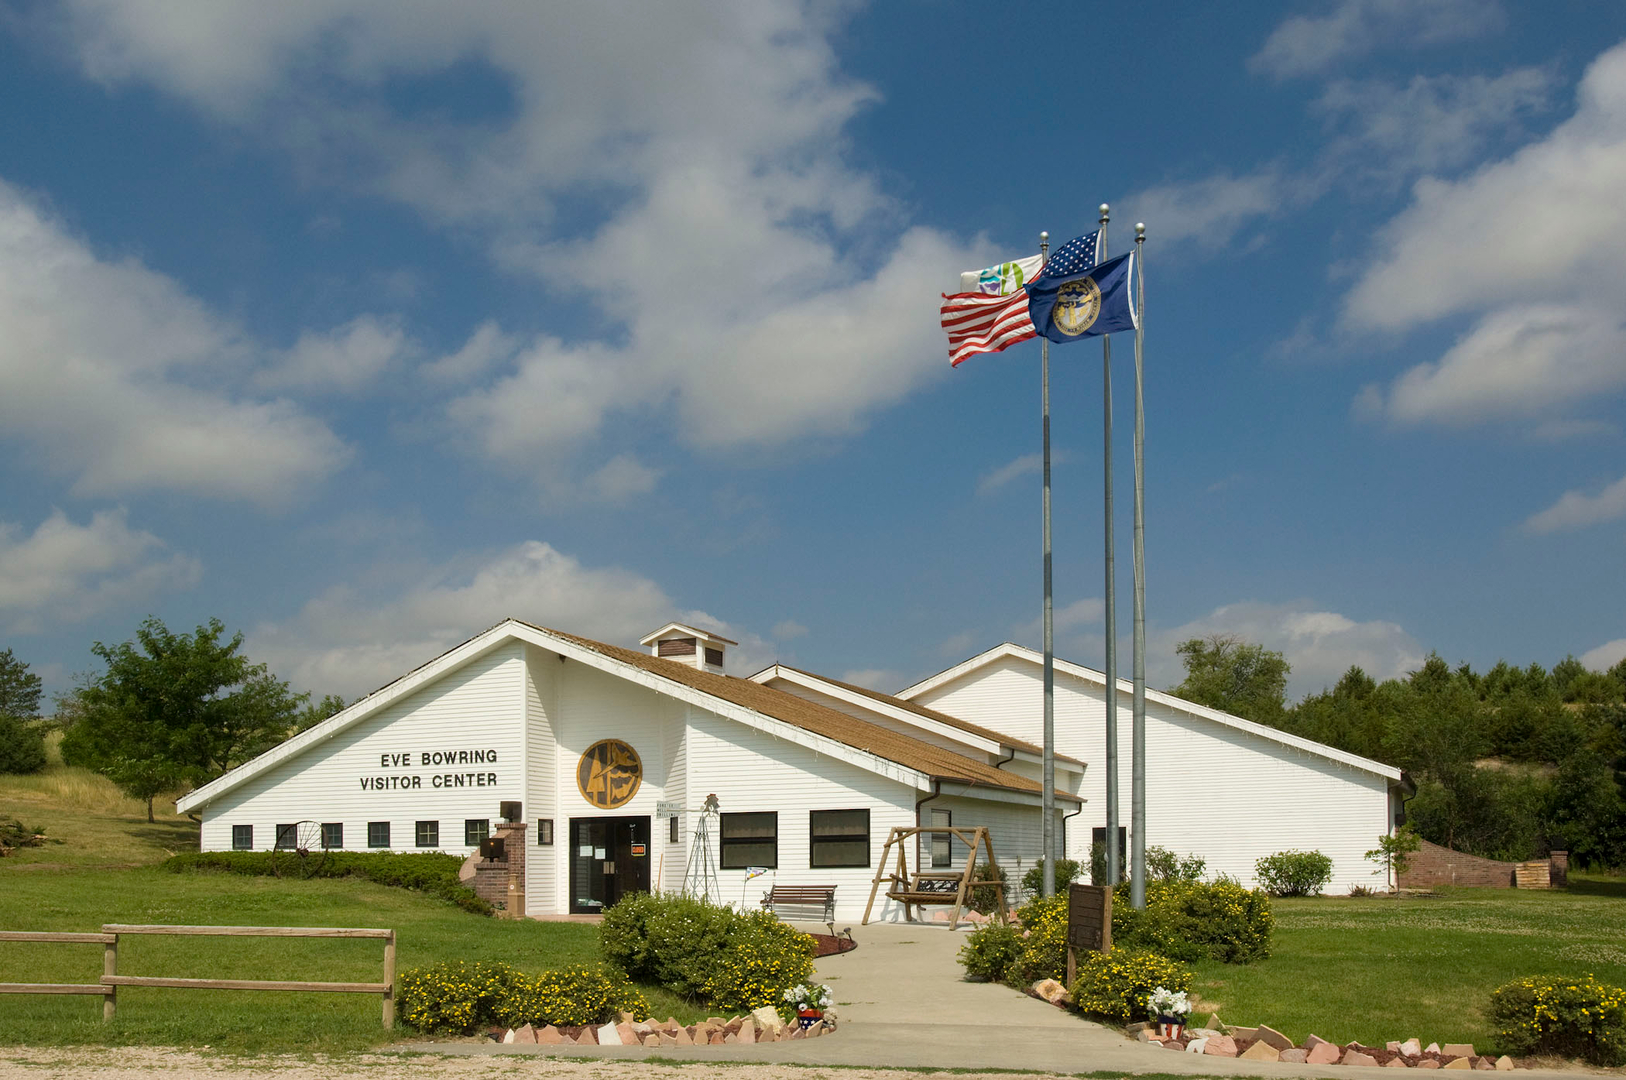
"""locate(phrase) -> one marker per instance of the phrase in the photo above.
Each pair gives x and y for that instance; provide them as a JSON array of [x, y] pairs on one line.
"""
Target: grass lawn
[[1378, 969], [105, 873]]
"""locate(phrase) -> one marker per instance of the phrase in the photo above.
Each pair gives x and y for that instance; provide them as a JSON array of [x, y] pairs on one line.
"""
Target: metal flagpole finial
[[1140, 231], [1106, 213], [1044, 237]]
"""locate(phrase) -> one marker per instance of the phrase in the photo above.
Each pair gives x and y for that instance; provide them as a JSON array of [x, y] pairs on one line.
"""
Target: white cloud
[[1309, 44], [1526, 360], [347, 358], [1605, 656], [727, 169], [1319, 645], [788, 630], [487, 347], [1432, 124], [1534, 247], [1024, 465], [958, 646], [880, 679], [1081, 620], [1577, 510], [350, 640], [1210, 212], [63, 572], [621, 478], [112, 375]]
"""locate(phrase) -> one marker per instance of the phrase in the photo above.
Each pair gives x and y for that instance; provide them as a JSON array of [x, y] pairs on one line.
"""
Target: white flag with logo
[[1003, 279]]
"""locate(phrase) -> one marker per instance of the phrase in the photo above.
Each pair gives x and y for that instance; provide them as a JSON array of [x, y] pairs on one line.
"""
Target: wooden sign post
[[1089, 923]]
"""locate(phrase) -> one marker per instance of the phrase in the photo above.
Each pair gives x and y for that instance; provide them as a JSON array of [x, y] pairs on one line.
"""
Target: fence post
[[389, 981], [110, 966]]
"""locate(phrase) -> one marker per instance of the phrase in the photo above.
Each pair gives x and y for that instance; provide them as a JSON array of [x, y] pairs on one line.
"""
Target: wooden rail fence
[[111, 980]]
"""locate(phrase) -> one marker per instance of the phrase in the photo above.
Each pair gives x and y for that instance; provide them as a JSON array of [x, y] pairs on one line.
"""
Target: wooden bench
[[802, 896]]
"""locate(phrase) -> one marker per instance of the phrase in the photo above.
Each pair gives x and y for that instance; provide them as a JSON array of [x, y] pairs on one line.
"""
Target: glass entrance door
[[609, 857]]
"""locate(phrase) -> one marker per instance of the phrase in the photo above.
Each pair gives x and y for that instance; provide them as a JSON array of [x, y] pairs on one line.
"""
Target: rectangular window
[[942, 843], [333, 835], [544, 832], [714, 657], [672, 829], [378, 834], [748, 840], [475, 830], [428, 834], [242, 838], [287, 837], [838, 838]]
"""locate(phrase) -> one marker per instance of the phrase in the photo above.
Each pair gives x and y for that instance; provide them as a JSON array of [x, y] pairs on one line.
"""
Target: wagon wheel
[[300, 851]]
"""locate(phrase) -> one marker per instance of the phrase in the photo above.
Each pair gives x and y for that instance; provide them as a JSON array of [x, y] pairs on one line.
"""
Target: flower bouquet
[[1171, 1008], [809, 1000]]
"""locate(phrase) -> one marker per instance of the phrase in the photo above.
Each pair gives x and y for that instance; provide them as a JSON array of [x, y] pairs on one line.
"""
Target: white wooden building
[[1217, 786], [595, 742]]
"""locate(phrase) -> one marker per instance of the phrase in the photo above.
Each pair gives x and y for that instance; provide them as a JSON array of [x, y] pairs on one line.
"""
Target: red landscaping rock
[[1428, 1063], [1275, 1039], [549, 1036], [1260, 1050], [1452, 1050], [1484, 1064], [1411, 1048], [1457, 1063], [682, 1037], [1396, 1062], [1355, 1057], [1314, 1041], [1293, 1055], [1220, 1046], [1323, 1053]]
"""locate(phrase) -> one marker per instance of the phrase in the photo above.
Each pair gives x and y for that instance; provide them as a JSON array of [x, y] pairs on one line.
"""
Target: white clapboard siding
[[478, 707], [541, 777], [751, 771], [1226, 795]]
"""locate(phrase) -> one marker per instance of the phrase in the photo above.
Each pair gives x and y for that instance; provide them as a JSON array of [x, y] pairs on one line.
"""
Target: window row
[[425, 834], [835, 838]]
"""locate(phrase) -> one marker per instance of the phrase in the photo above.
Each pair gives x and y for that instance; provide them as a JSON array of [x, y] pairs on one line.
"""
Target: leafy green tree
[[1393, 855], [19, 688], [175, 709], [1224, 672], [311, 715]]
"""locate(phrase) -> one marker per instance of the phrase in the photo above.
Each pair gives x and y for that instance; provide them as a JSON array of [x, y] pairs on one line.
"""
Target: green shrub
[[431, 872], [460, 996], [762, 959], [1193, 920], [991, 952], [1577, 1018], [1294, 873], [22, 745], [1164, 865], [1098, 864], [1066, 873], [985, 901], [706, 952], [1117, 986]]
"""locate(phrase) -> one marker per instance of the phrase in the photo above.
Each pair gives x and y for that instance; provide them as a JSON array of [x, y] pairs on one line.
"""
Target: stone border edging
[[763, 1025]]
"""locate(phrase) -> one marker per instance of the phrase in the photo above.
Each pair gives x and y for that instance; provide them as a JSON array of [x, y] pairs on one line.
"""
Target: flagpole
[[1137, 812], [1047, 798], [1114, 863]]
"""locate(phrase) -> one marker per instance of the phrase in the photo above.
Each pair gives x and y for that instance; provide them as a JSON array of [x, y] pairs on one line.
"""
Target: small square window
[[287, 837], [672, 829], [838, 838], [428, 834], [475, 830], [748, 840], [544, 832], [333, 835], [378, 834], [242, 838]]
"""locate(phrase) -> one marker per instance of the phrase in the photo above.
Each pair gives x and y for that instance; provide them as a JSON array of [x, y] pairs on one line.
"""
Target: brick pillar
[[513, 836]]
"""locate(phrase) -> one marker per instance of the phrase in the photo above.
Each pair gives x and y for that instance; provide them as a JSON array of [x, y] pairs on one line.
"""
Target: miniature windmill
[[700, 876]]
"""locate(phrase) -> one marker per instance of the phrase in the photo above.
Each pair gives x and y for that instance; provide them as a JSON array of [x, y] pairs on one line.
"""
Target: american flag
[[979, 323]]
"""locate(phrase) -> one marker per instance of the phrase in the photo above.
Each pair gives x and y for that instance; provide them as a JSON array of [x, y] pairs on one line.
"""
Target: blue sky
[[364, 326]]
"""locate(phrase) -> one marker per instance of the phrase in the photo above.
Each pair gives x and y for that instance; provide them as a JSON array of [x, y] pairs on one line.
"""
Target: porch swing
[[935, 887]]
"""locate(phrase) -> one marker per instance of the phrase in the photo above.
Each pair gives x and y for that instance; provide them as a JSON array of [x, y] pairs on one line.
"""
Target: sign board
[[1089, 923], [637, 851], [664, 810]]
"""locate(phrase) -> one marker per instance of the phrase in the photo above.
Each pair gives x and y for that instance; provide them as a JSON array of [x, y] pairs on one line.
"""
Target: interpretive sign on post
[[664, 810], [1089, 923]]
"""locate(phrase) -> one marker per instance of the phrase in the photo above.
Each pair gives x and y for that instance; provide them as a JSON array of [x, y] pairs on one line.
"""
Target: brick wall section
[[491, 882], [1434, 865], [513, 834]]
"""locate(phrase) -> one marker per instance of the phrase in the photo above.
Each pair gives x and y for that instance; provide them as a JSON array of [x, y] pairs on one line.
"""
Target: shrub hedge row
[[462, 997], [1569, 1017], [430, 872]]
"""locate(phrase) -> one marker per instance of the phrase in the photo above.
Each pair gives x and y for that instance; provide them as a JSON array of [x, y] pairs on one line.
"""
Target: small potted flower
[[1171, 1009], [809, 1000]]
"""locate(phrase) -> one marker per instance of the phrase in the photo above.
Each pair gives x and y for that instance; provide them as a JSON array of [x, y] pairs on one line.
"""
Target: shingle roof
[[905, 750], [932, 714]]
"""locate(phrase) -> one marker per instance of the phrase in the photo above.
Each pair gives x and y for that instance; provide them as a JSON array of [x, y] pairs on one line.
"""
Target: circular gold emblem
[[1077, 305], [609, 774]]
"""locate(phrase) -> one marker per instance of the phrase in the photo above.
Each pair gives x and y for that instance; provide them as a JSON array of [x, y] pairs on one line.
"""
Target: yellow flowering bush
[[1580, 1018], [1118, 986], [1195, 920], [990, 952], [763, 958], [1044, 949], [462, 996]]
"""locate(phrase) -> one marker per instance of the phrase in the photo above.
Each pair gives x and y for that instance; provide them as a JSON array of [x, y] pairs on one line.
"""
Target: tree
[[173, 709], [311, 715], [1393, 854], [1224, 672], [19, 688]]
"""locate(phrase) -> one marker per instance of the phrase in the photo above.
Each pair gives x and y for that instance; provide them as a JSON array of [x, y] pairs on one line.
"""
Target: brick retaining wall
[[501, 882], [1434, 865]]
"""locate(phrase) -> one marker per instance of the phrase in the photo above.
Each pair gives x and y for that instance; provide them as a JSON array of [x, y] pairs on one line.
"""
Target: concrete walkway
[[902, 1003]]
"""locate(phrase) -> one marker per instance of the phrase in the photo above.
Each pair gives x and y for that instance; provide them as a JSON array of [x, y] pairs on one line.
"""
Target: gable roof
[[738, 699], [1010, 650], [897, 704]]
